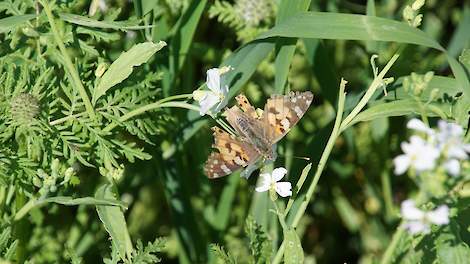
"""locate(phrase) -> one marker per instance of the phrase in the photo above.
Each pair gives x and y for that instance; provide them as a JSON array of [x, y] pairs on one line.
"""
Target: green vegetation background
[[354, 212]]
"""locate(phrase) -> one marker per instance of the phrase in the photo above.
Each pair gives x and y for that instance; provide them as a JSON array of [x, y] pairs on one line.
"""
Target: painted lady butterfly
[[257, 134]]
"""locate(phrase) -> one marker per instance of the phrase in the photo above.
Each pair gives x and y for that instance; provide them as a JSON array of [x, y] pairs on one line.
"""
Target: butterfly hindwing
[[233, 154], [282, 112]]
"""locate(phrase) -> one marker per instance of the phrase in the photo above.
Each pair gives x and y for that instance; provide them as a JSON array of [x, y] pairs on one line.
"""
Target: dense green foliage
[[103, 147]]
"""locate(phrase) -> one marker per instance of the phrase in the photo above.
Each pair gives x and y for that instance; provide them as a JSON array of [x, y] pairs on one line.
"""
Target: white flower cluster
[[443, 146], [419, 221]]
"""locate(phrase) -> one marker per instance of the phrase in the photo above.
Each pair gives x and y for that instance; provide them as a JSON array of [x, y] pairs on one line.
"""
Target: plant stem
[[321, 165], [150, 107], [387, 257], [339, 126], [378, 81], [75, 77]]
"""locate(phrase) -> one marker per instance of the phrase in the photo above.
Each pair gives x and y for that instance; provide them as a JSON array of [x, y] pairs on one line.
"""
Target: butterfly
[[256, 134]]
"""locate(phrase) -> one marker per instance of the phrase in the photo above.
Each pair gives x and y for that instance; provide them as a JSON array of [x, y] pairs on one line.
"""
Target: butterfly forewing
[[282, 112]]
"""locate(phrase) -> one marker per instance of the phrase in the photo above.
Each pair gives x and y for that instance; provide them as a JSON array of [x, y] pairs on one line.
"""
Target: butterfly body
[[257, 135]]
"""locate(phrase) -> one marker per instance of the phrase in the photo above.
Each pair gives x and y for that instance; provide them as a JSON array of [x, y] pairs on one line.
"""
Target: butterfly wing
[[282, 112], [233, 154]]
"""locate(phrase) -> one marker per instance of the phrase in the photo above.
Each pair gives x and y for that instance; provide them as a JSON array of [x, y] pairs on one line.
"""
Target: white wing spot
[[298, 111], [216, 162], [239, 161], [225, 169], [285, 124], [215, 175], [293, 100], [308, 102]]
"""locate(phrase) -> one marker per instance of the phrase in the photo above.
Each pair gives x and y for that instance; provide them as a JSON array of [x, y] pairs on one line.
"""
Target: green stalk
[[339, 126], [150, 107], [75, 78], [324, 157], [388, 255], [376, 83]]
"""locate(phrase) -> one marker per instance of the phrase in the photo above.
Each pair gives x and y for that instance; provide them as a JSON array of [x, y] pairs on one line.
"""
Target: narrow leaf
[[90, 22], [121, 68], [114, 222], [294, 253], [9, 23]]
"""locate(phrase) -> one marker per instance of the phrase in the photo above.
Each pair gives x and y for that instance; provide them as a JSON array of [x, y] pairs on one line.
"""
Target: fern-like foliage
[[7, 245], [247, 17], [222, 255], [141, 254], [259, 243]]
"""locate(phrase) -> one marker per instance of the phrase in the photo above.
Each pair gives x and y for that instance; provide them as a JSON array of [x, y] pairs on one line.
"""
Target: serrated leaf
[[294, 253], [114, 222], [121, 68], [9, 23]]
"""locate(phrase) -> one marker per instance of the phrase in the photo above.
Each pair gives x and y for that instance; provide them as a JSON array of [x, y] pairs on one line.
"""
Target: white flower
[[418, 154], [450, 139], [418, 221], [271, 182], [216, 98], [419, 125]]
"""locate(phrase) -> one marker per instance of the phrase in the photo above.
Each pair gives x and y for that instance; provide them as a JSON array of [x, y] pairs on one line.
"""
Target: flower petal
[[278, 174], [439, 216], [265, 182], [262, 188], [284, 189], [452, 166], [207, 102], [409, 211], [418, 125], [402, 163], [213, 80], [415, 227]]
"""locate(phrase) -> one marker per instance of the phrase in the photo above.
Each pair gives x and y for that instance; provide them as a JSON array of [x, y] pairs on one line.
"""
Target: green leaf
[[9, 23], [114, 222], [121, 68], [90, 22], [184, 33], [349, 27], [286, 47], [67, 200], [455, 254], [397, 108], [294, 253]]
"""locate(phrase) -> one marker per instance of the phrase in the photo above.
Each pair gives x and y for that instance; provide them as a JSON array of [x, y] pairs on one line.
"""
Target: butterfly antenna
[[295, 157]]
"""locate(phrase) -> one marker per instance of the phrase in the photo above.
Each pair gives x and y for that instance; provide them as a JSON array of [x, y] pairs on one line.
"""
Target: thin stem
[[388, 255], [326, 153], [66, 118], [67, 61], [378, 81], [387, 195], [339, 126], [150, 107]]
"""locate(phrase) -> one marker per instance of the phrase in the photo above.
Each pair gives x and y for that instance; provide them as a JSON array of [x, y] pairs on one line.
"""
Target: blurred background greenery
[[354, 212]]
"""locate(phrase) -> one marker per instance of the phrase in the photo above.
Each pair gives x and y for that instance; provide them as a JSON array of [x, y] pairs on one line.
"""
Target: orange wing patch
[[233, 154], [281, 113]]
